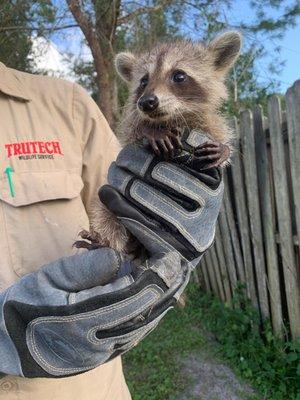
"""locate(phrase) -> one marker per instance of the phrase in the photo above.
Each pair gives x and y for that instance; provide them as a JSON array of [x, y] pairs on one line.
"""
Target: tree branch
[[36, 28], [142, 10], [82, 19]]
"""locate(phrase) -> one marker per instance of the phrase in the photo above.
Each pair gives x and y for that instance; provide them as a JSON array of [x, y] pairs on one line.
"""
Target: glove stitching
[[33, 325], [146, 165], [177, 171], [131, 335], [168, 217], [151, 236], [104, 310], [136, 196], [52, 368]]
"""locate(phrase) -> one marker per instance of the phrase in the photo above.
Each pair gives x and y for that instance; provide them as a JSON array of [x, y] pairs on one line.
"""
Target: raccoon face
[[179, 81]]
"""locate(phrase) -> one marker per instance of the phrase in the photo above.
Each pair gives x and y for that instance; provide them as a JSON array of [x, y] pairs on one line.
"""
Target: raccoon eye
[[144, 81], [179, 76]]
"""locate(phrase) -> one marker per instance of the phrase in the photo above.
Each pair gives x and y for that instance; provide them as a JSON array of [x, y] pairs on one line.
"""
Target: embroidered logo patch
[[33, 150]]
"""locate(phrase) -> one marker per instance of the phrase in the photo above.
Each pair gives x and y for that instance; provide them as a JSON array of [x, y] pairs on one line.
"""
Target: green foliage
[[153, 368], [18, 20], [270, 364]]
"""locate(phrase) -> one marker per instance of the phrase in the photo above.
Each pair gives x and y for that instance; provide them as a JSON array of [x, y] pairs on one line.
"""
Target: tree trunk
[[106, 83], [100, 37]]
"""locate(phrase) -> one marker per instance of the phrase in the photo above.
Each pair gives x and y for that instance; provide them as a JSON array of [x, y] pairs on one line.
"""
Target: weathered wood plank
[[248, 149], [284, 215], [293, 124], [233, 233], [205, 275], [211, 273], [195, 277], [222, 263], [239, 193], [267, 220], [228, 251], [217, 272]]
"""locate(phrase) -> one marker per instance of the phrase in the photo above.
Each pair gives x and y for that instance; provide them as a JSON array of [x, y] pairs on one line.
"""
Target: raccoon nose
[[148, 103]]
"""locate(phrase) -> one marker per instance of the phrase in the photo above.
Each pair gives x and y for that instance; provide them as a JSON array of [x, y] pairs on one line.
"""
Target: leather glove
[[79, 312], [167, 206]]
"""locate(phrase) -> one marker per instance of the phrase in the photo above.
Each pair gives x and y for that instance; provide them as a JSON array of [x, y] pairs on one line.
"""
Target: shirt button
[[6, 386]]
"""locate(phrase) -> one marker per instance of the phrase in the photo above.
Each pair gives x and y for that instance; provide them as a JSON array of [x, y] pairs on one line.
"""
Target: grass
[[153, 368], [271, 365]]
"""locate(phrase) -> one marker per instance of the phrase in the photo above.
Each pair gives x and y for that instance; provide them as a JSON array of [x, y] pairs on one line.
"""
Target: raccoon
[[173, 87]]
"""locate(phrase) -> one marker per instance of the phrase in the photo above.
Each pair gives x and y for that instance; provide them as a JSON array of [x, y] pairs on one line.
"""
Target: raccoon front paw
[[212, 154], [92, 241], [163, 141]]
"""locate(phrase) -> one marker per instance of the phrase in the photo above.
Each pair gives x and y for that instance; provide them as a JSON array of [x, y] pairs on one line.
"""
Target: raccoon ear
[[124, 63], [225, 50]]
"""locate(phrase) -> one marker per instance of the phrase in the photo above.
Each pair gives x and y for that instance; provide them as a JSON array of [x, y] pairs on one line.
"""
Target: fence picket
[[205, 275], [248, 148], [228, 251], [267, 220], [238, 192], [222, 263], [217, 272], [284, 215], [211, 273], [293, 122], [233, 234], [258, 231]]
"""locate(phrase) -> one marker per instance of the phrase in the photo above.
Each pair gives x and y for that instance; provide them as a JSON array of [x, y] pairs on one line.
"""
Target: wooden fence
[[258, 231]]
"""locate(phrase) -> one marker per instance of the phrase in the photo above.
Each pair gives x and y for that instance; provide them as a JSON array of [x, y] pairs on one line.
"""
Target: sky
[[290, 45], [241, 11]]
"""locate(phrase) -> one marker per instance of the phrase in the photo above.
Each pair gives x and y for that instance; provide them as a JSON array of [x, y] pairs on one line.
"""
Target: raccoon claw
[[96, 242], [212, 154], [165, 143]]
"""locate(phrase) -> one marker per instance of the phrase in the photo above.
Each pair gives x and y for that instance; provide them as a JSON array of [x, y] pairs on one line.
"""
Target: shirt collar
[[11, 85]]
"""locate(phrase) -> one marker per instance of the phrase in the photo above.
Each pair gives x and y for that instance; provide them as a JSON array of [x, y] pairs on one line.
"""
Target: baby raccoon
[[174, 87]]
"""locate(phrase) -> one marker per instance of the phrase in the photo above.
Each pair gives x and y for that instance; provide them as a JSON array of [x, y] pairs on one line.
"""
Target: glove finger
[[114, 286], [146, 229], [82, 271], [169, 209], [135, 159]]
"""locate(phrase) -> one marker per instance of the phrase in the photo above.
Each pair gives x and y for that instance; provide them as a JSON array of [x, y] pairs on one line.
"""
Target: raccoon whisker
[[182, 118]]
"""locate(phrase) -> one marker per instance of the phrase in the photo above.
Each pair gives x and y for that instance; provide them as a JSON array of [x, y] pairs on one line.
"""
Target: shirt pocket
[[33, 187], [42, 217]]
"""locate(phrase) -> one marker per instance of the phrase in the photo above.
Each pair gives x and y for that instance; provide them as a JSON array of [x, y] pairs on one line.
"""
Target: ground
[[212, 380], [180, 361]]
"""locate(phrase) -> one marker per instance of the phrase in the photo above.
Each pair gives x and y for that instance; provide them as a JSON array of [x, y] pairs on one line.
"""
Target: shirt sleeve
[[99, 144]]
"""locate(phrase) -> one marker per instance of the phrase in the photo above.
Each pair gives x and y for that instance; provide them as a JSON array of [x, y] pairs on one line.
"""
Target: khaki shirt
[[55, 149]]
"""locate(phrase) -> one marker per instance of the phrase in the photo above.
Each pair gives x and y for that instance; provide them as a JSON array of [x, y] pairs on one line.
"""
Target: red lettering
[[36, 147], [17, 149], [9, 148], [56, 148], [25, 148], [41, 147], [33, 145], [49, 146]]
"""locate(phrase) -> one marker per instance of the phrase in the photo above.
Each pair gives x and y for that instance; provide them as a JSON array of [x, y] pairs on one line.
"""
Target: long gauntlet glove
[[81, 311]]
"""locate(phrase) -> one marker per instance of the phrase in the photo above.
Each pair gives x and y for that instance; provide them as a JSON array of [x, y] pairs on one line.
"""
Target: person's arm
[[79, 312], [99, 144]]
